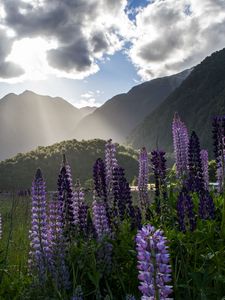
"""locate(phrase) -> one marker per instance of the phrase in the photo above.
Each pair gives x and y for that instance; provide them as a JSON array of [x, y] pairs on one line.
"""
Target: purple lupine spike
[[180, 143], [100, 219], [59, 269], [205, 167], [83, 217], [219, 150], [185, 211], [99, 177], [195, 176], [80, 209], [110, 162], [153, 263], [66, 197], [206, 206], [143, 178], [159, 169], [40, 253], [77, 195], [122, 195]]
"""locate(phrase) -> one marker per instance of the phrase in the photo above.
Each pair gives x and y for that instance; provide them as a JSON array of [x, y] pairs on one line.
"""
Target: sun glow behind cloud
[[30, 54]]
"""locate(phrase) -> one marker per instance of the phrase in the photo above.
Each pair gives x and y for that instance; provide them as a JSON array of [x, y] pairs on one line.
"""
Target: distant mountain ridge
[[117, 117], [28, 120], [200, 96]]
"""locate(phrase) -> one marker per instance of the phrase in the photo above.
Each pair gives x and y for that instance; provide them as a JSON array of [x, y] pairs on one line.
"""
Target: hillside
[[29, 120], [120, 115], [18, 172], [197, 100]]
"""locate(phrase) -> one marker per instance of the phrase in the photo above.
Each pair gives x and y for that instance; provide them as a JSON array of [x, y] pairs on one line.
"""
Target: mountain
[[197, 100], [28, 120], [121, 114], [18, 172]]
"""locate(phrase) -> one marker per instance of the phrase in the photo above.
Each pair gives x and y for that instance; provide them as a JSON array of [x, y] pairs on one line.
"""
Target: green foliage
[[17, 173], [197, 258]]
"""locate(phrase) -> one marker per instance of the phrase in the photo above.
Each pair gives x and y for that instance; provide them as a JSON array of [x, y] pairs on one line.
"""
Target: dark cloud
[[7, 69], [64, 21], [99, 42], [71, 57], [160, 49], [10, 70]]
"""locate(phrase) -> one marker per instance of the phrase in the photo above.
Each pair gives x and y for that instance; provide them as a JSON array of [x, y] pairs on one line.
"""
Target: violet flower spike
[[153, 264], [219, 150], [185, 211], [59, 269], [143, 178], [159, 169], [100, 219], [205, 167], [180, 143], [40, 252], [123, 205], [206, 206], [66, 197], [110, 163], [195, 176]]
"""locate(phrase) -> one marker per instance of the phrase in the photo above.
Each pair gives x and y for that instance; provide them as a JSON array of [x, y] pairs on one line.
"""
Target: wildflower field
[[111, 243]]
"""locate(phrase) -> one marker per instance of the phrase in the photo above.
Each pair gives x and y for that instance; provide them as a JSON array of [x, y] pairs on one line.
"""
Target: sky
[[87, 51]]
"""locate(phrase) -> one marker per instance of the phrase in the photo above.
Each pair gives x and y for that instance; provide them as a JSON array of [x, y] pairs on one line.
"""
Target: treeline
[[16, 173]]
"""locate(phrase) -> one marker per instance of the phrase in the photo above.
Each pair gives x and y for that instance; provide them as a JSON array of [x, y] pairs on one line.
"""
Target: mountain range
[[117, 117], [142, 116], [200, 97], [29, 120]]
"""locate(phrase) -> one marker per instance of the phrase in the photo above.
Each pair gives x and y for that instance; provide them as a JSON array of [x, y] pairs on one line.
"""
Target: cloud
[[161, 37], [84, 32], [89, 99], [7, 69], [172, 35]]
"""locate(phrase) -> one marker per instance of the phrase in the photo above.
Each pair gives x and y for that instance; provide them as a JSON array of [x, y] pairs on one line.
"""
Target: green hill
[[197, 100], [17, 172]]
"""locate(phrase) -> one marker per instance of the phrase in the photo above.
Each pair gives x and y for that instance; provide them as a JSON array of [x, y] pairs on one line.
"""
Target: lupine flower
[[102, 230], [206, 206], [195, 179], [57, 242], [100, 219], [110, 163], [40, 253], [122, 195], [99, 176], [180, 143], [66, 197], [83, 217], [143, 178], [153, 264], [219, 150], [205, 167], [185, 211], [0, 226], [159, 168], [80, 209]]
